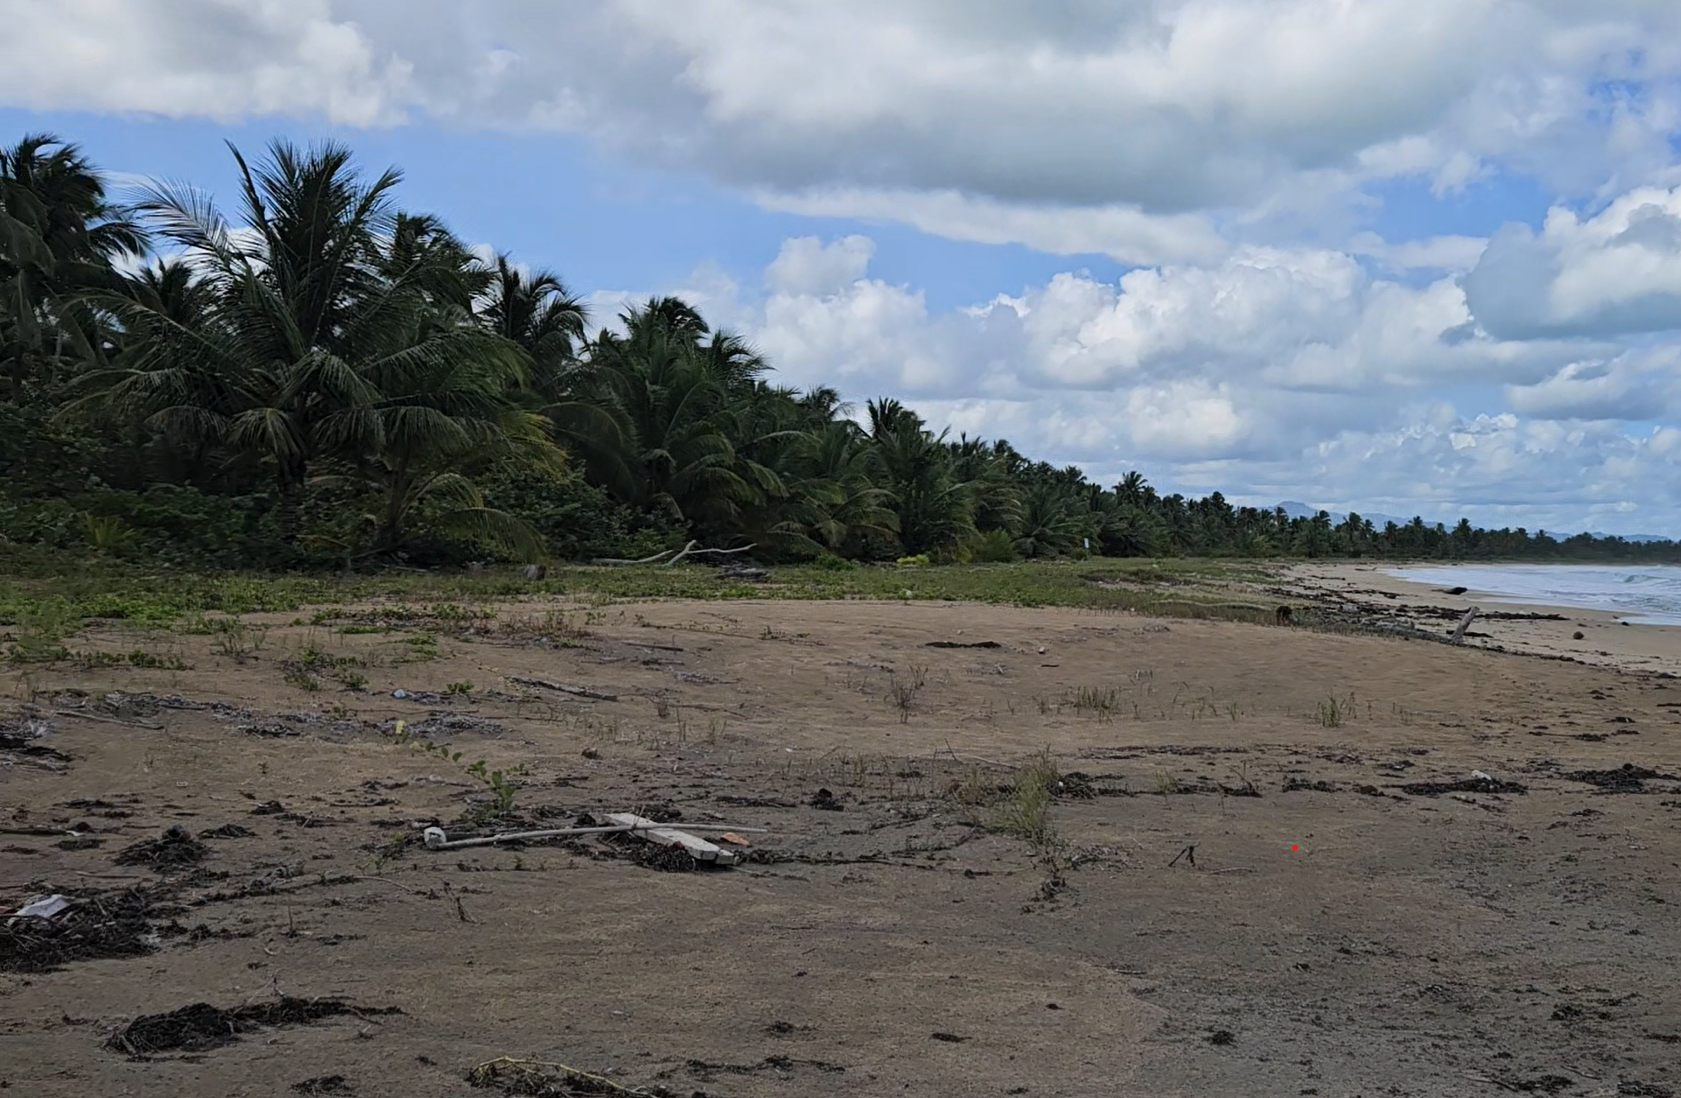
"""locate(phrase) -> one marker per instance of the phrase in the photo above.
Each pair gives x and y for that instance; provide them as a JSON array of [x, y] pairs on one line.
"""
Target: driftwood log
[[1464, 624], [689, 550]]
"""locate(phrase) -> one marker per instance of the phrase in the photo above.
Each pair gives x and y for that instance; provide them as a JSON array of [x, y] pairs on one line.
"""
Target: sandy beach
[[1369, 592], [1269, 867]]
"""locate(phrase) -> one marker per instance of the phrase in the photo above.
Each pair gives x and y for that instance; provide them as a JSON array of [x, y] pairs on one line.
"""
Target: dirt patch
[[202, 1026]]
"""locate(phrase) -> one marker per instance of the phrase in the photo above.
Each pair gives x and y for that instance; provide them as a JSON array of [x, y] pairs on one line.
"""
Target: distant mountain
[[1298, 509]]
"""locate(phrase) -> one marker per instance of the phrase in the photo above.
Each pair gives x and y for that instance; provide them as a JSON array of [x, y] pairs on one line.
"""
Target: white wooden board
[[698, 848]]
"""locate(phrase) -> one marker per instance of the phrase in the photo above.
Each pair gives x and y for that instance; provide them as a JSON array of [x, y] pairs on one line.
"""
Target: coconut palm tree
[[535, 310], [935, 509], [338, 335], [59, 235]]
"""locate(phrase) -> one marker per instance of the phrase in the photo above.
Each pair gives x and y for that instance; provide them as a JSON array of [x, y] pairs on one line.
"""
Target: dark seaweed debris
[[1626, 778], [171, 850], [17, 739], [536, 1079], [1465, 785], [227, 831], [96, 926], [202, 1026]]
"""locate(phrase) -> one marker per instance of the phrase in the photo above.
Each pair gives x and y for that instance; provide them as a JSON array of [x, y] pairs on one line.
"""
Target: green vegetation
[[324, 379]]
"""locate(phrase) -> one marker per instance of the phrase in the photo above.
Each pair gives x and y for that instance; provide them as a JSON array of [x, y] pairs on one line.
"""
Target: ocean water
[[1646, 594]]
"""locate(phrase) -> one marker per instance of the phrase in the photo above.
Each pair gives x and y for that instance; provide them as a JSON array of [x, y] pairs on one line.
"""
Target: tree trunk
[[291, 483]]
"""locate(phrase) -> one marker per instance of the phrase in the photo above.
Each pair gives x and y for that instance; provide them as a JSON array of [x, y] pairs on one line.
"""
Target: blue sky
[[1397, 256]]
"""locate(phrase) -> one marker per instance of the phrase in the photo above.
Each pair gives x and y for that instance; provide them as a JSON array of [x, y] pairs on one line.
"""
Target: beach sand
[[1269, 869], [1368, 591]]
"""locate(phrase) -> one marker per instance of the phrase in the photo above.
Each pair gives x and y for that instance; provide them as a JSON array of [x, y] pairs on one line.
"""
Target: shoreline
[[1366, 590]]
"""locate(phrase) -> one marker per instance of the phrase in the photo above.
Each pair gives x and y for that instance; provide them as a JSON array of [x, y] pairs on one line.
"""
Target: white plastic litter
[[1481, 777], [44, 907]]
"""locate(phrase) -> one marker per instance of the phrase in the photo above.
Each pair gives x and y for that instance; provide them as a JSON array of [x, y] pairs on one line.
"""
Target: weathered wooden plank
[[564, 688], [698, 848]]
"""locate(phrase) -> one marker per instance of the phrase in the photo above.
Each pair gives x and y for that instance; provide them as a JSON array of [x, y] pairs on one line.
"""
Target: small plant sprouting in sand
[[153, 662], [975, 788], [1166, 783], [903, 691], [459, 689], [502, 790], [1023, 811], [1100, 701], [422, 647], [302, 679], [235, 639], [1334, 711]]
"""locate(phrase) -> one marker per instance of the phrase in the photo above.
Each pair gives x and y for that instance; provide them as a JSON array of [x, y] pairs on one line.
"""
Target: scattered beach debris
[[226, 831], [825, 800], [746, 573], [270, 729], [1464, 624], [450, 724], [1627, 778], [269, 808], [564, 688], [54, 930], [171, 850], [963, 644], [42, 907], [324, 1084], [21, 737], [422, 697], [1478, 782], [621, 824], [637, 827], [202, 1026], [543, 1079], [688, 550]]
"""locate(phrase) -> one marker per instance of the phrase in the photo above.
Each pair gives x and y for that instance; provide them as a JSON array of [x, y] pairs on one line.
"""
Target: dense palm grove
[[325, 378]]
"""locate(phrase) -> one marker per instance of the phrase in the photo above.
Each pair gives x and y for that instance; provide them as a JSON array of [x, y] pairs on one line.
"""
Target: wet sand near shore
[[1357, 590]]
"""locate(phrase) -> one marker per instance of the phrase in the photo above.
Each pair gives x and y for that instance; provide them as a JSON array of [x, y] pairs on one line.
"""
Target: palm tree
[[657, 414], [1054, 520], [59, 236], [535, 310], [935, 509], [333, 319]]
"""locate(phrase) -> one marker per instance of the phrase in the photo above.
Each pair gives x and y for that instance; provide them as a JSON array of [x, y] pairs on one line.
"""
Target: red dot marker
[[1292, 846]]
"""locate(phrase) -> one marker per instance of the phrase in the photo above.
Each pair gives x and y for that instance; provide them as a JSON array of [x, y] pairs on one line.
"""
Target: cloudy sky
[[1406, 256]]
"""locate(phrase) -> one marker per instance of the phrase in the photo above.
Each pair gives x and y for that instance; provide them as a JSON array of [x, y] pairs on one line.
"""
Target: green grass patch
[[39, 610]]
